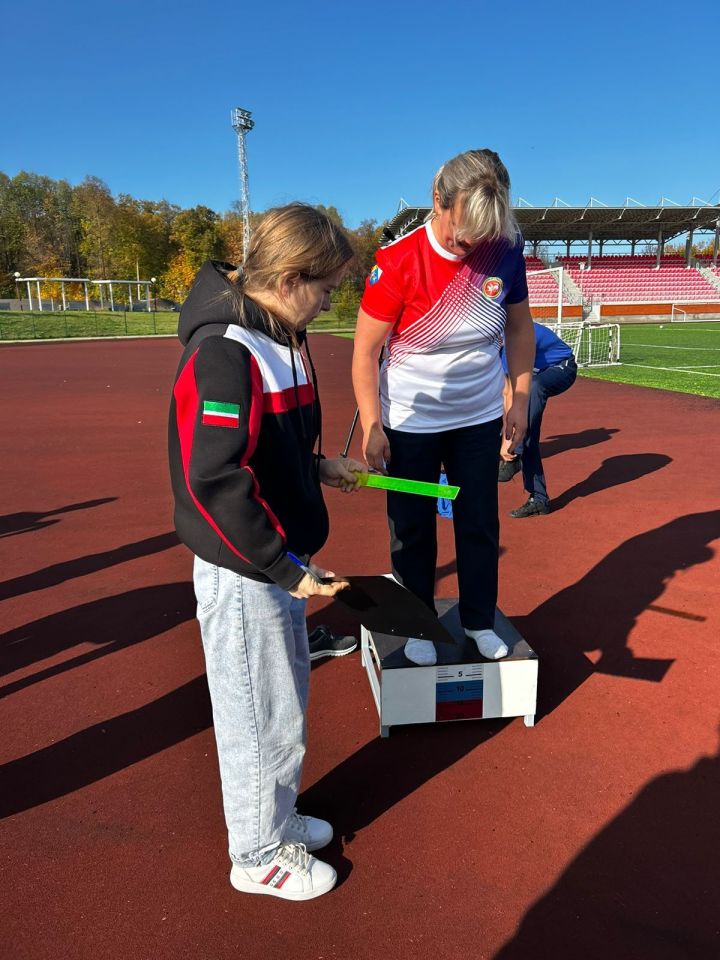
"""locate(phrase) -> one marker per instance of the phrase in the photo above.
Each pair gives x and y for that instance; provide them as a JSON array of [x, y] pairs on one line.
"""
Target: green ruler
[[381, 482]]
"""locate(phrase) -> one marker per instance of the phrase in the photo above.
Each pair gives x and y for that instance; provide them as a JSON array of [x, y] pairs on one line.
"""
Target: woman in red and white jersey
[[442, 297]]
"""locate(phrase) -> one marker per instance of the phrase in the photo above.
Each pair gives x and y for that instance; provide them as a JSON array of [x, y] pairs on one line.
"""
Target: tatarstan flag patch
[[216, 414]]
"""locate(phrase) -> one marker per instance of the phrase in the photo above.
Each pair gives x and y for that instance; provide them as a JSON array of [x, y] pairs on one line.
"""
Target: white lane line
[[648, 366], [663, 346]]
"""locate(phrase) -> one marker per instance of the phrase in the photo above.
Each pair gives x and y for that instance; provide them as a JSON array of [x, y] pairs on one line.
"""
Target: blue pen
[[303, 566]]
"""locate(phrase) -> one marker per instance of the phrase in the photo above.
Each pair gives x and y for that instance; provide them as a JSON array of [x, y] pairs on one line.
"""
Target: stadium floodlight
[[242, 123]]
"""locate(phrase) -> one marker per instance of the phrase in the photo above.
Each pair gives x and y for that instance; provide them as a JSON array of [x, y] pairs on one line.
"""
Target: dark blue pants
[[547, 383], [470, 457]]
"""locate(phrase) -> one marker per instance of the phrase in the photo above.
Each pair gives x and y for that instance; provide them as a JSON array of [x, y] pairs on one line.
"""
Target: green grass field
[[80, 323], [682, 357]]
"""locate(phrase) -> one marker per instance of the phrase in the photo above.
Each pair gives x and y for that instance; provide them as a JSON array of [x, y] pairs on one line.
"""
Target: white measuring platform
[[462, 686]]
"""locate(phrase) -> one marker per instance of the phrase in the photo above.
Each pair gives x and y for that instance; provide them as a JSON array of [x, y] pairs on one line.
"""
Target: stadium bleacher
[[624, 279]]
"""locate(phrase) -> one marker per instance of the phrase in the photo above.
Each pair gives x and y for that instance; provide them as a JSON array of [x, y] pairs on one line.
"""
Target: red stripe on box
[[459, 710]]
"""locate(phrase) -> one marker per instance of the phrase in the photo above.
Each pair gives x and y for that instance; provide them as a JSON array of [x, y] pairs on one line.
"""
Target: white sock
[[421, 652], [488, 643]]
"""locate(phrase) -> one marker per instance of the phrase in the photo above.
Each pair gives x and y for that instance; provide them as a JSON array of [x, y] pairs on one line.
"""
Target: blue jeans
[[258, 669], [549, 382]]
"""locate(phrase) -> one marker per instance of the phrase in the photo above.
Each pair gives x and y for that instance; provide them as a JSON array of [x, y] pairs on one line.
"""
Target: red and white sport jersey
[[442, 368]]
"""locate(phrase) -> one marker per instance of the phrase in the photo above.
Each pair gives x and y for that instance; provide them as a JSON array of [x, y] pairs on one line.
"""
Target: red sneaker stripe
[[272, 873], [278, 885]]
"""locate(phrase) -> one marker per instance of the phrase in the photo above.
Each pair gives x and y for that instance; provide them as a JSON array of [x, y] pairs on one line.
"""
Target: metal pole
[[38, 293], [62, 291], [147, 296], [244, 191], [350, 434], [560, 294], [112, 302], [87, 301], [129, 286], [29, 295]]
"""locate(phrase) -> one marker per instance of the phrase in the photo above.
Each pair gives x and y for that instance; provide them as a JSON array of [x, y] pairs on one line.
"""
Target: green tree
[[96, 211], [347, 301], [331, 212], [365, 240], [197, 236]]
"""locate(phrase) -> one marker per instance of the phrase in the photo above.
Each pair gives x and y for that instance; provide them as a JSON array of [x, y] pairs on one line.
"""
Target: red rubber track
[[594, 835]]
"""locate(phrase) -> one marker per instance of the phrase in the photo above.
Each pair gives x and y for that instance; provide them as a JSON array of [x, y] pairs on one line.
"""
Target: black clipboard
[[383, 606]]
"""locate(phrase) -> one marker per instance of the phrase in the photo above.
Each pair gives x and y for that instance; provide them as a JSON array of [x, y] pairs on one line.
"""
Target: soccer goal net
[[594, 344], [685, 314]]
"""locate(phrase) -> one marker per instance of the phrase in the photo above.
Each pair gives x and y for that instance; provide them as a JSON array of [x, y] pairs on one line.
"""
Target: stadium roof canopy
[[628, 224]]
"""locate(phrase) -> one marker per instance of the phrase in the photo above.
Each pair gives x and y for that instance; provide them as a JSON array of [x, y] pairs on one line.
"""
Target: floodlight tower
[[242, 124]]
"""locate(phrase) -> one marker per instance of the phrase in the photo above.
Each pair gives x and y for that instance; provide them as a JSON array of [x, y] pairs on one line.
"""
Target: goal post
[[685, 314], [556, 299], [677, 314], [594, 344]]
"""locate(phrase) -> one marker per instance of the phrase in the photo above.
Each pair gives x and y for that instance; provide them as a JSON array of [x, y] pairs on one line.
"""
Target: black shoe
[[324, 643], [532, 508], [508, 469]]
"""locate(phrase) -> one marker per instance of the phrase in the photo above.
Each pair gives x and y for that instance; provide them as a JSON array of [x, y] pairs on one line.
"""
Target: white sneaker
[[310, 831], [292, 874], [421, 652], [488, 643]]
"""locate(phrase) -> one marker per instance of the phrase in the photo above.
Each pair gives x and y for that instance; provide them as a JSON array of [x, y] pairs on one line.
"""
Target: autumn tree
[[96, 211]]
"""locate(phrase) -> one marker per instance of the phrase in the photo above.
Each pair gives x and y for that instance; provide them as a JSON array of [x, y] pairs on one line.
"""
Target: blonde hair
[[295, 240], [479, 181]]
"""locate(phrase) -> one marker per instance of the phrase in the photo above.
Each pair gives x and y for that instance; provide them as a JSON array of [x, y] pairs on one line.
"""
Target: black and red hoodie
[[244, 419]]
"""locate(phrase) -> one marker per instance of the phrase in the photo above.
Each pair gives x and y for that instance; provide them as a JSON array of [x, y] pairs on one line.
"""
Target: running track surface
[[594, 835]]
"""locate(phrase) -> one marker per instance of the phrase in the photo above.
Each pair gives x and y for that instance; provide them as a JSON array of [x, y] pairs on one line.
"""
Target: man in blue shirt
[[554, 372]]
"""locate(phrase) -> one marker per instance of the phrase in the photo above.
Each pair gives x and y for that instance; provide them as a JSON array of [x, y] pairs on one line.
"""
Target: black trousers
[[470, 457]]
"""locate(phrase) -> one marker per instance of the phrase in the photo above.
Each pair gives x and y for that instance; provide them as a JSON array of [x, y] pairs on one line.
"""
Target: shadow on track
[[382, 773], [613, 472], [28, 521], [117, 742], [111, 623], [81, 566], [646, 886], [601, 609], [105, 748], [551, 446]]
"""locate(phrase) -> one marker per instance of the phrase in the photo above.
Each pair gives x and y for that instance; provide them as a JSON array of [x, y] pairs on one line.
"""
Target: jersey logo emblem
[[492, 287], [375, 274]]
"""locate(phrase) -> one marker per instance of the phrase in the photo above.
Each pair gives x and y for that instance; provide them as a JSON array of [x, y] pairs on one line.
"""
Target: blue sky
[[356, 105]]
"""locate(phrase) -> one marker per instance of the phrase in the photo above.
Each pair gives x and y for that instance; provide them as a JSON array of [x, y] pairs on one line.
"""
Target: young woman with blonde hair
[[442, 297], [244, 420]]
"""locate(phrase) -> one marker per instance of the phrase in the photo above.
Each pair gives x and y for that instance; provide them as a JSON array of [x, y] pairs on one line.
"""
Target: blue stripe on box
[[456, 690]]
